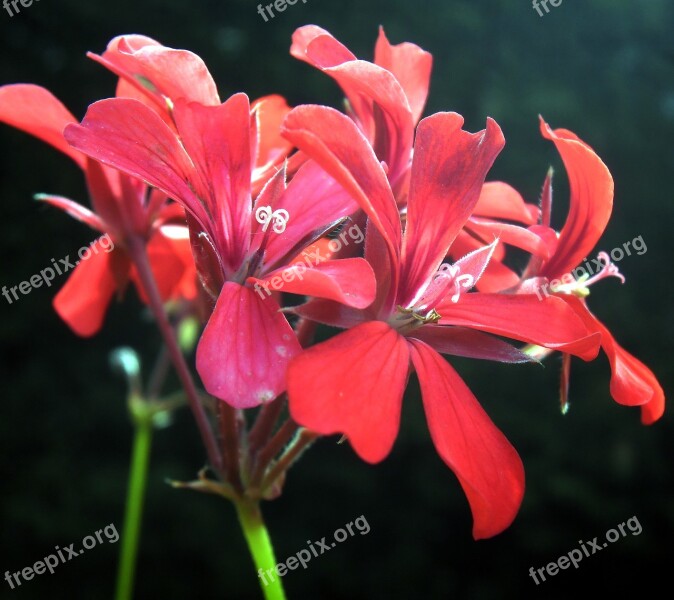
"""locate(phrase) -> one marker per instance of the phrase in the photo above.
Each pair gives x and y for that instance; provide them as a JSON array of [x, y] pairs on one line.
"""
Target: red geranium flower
[[205, 163], [354, 383]]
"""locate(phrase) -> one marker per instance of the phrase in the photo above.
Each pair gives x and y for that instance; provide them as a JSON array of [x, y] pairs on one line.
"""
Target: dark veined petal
[[448, 172], [488, 468]]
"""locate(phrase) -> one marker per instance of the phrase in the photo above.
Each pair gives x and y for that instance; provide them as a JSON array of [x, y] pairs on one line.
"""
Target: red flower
[[205, 163], [590, 206], [354, 383], [123, 207]]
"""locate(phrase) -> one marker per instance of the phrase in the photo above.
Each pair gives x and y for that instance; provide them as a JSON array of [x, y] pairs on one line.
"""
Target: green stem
[[259, 544], [135, 497]]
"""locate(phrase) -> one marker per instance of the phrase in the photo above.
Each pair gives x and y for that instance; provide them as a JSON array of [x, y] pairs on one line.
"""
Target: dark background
[[601, 68]]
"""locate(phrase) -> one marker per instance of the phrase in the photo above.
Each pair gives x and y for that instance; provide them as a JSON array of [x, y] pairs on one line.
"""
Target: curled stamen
[[609, 270]]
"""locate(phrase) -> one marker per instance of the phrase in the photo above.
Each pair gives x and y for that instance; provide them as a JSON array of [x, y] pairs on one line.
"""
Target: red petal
[[84, 299], [514, 235], [270, 147], [313, 199], [75, 210], [349, 281], [488, 467], [448, 172], [34, 110], [632, 382], [353, 384], [167, 260], [590, 205], [499, 200], [410, 65], [547, 322], [337, 145], [245, 349], [217, 139], [159, 71], [129, 136]]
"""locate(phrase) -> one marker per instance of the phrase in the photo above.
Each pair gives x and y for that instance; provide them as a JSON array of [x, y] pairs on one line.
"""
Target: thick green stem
[[135, 497], [260, 548]]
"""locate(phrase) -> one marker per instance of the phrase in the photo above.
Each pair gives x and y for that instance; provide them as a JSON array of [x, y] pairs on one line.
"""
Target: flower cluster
[[227, 198]]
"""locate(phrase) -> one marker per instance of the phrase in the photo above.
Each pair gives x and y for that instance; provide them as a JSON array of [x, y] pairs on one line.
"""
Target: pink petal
[[245, 349], [349, 281], [336, 144], [514, 235], [127, 135], [313, 199], [217, 139]]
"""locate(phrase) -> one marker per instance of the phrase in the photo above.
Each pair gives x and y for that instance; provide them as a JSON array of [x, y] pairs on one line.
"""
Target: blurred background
[[601, 68]]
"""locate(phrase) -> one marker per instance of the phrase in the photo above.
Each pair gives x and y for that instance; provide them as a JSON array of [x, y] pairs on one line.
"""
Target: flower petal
[[127, 135], [353, 384], [158, 71], [349, 281], [245, 348], [410, 65], [590, 205], [38, 112], [547, 322], [488, 468], [217, 139], [632, 382], [448, 172], [83, 301], [461, 341], [499, 200], [337, 145]]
